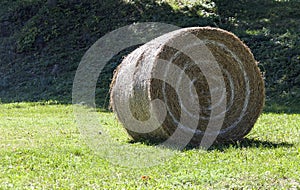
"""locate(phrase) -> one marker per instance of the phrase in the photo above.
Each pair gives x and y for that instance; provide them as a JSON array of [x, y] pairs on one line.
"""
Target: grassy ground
[[40, 147], [40, 144]]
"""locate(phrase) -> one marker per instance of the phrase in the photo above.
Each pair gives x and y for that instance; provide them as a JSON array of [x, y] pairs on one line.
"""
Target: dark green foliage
[[34, 37]]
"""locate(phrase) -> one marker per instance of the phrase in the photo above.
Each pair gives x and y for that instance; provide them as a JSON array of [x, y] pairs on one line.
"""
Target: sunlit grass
[[40, 147]]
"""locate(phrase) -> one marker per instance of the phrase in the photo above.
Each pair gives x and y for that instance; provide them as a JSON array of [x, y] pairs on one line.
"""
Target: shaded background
[[42, 42]]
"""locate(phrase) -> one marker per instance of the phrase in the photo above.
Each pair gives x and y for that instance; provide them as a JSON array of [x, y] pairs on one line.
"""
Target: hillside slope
[[41, 46]]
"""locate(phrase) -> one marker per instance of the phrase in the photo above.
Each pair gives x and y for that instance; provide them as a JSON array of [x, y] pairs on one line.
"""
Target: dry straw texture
[[204, 55]]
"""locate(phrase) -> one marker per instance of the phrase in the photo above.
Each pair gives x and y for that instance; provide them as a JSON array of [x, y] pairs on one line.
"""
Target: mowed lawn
[[41, 147]]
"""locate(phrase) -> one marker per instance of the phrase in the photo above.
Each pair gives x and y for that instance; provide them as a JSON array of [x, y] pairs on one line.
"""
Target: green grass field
[[40, 143], [41, 147]]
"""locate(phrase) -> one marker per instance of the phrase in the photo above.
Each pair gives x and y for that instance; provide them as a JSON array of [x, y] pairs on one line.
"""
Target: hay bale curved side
[[135, 86]]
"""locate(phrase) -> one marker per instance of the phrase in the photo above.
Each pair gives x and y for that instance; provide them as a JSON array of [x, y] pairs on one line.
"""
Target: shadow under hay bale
[[194, 86]]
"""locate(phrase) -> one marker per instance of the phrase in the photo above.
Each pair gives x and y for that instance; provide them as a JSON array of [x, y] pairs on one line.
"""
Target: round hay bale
[[189, 85]]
